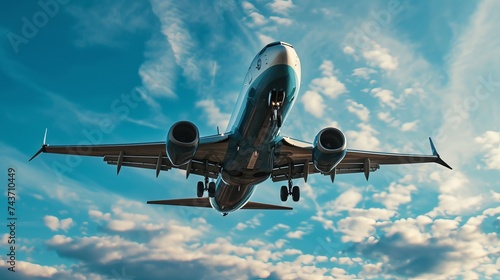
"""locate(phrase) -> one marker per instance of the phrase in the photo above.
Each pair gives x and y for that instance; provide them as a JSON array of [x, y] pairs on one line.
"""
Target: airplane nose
[[284, 55]]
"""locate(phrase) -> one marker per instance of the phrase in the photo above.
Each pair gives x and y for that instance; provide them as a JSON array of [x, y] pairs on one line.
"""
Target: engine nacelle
[[329, 149], [182, 142]]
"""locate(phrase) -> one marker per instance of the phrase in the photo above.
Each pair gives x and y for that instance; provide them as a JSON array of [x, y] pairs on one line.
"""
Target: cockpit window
[[274, 44]]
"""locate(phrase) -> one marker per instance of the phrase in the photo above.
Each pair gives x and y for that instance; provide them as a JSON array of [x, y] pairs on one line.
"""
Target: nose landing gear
[[276, 99]]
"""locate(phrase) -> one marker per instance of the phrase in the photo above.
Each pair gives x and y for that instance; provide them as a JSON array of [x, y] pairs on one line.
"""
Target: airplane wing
[[211, 152], [294, 160]]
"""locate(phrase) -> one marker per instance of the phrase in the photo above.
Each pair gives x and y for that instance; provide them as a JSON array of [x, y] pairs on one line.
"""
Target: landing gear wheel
[[295, 193], [200, 188], [279, 120], [284, 193], [211, 189]]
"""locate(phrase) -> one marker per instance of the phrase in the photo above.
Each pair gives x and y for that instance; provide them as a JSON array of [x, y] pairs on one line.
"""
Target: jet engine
[[329, 149], [182, 142]]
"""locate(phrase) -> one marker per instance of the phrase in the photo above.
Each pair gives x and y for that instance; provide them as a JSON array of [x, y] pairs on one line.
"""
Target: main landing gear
[[276, 99], [202, 187], [293, 191]]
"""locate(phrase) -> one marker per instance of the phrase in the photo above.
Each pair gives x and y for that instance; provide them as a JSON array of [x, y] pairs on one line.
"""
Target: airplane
[[251, 150]]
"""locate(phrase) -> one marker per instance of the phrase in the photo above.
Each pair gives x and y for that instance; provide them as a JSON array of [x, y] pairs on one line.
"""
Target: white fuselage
[[274, 74]]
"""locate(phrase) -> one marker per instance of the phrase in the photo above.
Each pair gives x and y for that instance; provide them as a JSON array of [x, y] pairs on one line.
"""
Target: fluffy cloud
[[313, 103], [490, 144], [363, 72], [378, 56], [386, 97], [281, 6], [409, 249], [328, 84], [409, 126], [348, 50], [396, 195], [364, 138], [54, 224], [456, 196], [214, 115], [280, 20], [358, 109]]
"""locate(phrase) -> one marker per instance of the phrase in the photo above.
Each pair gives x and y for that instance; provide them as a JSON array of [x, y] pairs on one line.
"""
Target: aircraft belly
[[250, 156], [230, 198]]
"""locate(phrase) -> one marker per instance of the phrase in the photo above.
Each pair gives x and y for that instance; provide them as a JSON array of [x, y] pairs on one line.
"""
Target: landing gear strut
[[202, 187], [276, 99], [293, 191]]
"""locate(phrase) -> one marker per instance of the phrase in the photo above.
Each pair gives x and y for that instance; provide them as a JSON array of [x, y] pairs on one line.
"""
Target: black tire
[[295, 193], [279, 121], [284, 193], [200, 188], [211, 189]]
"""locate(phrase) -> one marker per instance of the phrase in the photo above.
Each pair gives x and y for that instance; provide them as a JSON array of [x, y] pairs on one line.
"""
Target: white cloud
[[358, 109], [51, 222], [344, 202], [456, 196], [380, 57], [214, 116], [356, 229], [276, 228], [453, 249], [313, 103], [257, 19], [264, 39], [280, 20], [387, 118], [328, 84], [490, 144], [247, 6], [363, 139], [121, 225], [470, 97], [409, 126], [27, 270], [396, 195], [363, 72], [295, 234], [281, 6], [99, 215], [54, 224], [348, 50], [241, 226], [386, 97]]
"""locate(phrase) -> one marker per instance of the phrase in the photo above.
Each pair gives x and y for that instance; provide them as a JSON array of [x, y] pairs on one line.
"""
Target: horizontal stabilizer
[[264, 206], [190, 202], [204, 202]]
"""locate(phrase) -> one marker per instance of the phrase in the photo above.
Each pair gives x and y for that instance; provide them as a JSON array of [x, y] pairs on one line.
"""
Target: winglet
[[42, 149], [435, 153]]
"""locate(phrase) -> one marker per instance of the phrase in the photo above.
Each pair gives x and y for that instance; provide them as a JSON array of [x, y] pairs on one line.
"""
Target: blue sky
[[387, 74]]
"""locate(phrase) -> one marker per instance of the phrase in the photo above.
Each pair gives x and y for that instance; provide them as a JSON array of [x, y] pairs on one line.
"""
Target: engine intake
[[329, 149], [182, 142]]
